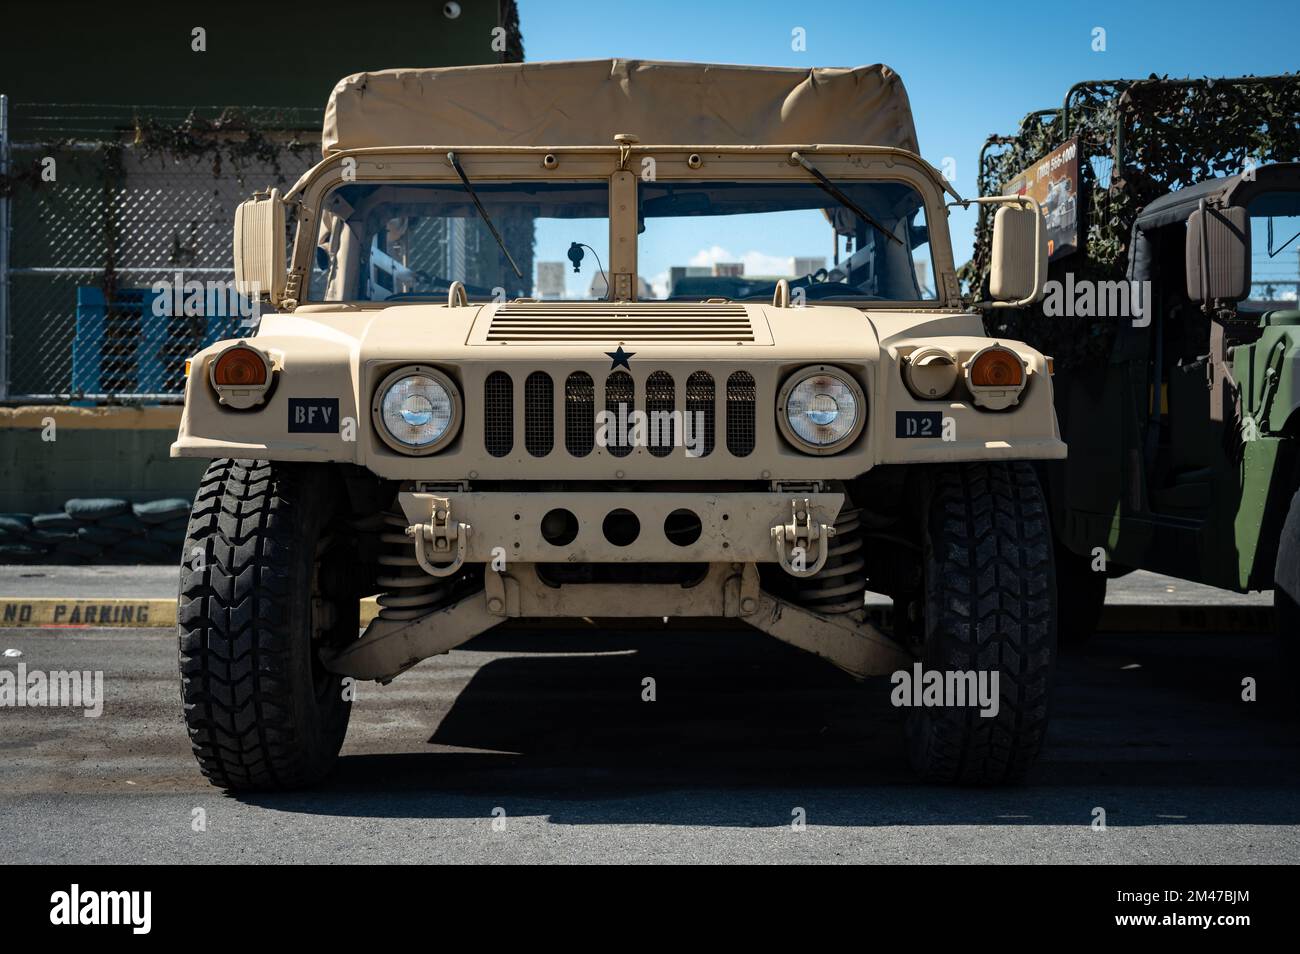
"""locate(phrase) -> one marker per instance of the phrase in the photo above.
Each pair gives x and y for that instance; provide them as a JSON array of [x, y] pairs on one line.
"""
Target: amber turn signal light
[[241, 376], [240, 368], [997, 368]]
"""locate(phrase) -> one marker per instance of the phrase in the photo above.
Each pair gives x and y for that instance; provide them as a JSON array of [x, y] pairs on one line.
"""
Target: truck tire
[[1080, 597], [990, 605], [265, 582]]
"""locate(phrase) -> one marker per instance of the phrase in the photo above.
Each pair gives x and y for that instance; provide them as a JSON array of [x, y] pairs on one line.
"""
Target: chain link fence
[[115, 241]]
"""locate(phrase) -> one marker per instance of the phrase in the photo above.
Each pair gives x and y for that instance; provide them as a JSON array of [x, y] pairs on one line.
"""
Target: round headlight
[[417, 409], [821, 409]]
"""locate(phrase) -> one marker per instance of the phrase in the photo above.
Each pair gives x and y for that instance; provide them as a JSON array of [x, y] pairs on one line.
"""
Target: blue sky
[[970, 68]]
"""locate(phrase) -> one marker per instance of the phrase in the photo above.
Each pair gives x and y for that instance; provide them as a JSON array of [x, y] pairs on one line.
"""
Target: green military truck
[[1181, 414]]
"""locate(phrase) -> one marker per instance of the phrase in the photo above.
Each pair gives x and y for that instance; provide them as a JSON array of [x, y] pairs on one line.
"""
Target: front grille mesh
[[699, 401], [539, 414], [620, 389], [742, 399], [695, 429], [661, 398], [498, 414], [579, 414]]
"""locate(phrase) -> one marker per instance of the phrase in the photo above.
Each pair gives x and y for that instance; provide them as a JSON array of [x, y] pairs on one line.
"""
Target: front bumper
[[454, 528]]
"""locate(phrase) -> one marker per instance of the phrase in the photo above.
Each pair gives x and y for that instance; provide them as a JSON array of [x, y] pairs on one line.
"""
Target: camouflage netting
[[1138, 140]]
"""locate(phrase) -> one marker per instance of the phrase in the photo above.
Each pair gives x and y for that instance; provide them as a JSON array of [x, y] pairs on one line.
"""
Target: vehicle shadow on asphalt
[[744, 730]]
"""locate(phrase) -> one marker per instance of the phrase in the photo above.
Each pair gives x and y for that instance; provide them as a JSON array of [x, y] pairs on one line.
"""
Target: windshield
[[1274, 250], [737, 239], [410, 241]]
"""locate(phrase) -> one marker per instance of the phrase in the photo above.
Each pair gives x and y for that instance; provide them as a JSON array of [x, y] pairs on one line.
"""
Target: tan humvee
[[444, 410]]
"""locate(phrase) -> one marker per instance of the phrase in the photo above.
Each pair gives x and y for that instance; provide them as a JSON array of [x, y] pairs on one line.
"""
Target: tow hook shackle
[[796, 540], [437, 538]]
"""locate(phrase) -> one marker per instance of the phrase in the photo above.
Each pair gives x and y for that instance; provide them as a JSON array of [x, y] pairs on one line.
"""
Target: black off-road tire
[[265, 582], [989, 606], [1080, 597]]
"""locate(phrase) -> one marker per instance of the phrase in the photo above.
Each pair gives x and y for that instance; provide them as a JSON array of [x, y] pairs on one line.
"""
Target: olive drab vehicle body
[[508, 372]]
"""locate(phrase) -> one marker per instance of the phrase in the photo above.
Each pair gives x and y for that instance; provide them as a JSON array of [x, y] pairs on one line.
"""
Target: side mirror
[[1218, 254], [1019, 265], [260, 246]]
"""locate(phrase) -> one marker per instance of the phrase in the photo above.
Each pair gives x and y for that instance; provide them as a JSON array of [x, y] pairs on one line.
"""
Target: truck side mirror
[[1019, 266], [1218, 254], [260, 246]]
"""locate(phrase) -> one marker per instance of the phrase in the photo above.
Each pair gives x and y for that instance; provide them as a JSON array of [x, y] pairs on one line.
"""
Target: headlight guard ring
[[783, 420], [377, 409]]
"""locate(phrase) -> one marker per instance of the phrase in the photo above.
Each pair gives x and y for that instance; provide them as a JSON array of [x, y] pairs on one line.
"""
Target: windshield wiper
[[839, 195], [487, 220]]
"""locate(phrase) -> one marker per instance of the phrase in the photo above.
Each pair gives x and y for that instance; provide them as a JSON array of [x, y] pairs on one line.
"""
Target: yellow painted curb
[[57, 612], [155, 417]]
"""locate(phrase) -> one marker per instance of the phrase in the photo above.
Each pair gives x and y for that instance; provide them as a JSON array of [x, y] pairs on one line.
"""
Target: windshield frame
[[623, 168]]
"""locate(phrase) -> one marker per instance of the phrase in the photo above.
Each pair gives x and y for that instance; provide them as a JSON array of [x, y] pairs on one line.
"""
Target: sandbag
[[95, 508], [52, 537], [162, 511], [15, 523], [127, 523], [172, 538], [100, 535], [54, 521]]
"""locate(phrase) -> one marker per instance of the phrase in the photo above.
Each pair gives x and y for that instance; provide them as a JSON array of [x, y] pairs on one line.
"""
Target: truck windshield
[[410, 241], [1274, 250], [737, 239]]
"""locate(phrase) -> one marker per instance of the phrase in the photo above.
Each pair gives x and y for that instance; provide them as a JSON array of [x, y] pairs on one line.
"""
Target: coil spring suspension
[[407, 591], [839, 585]]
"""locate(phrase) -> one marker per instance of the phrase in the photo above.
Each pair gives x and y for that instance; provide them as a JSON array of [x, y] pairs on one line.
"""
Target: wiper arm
[[487, 219], [840, 196]]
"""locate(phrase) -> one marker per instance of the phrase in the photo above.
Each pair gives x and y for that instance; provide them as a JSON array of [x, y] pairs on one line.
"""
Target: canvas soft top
[[1178, 205], [587, 102]]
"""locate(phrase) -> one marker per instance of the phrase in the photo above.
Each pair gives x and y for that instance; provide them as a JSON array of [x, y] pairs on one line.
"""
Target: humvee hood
[[587, 102], [538, 330]]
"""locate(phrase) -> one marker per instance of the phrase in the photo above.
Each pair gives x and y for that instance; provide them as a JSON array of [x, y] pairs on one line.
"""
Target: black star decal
[[620, 357]]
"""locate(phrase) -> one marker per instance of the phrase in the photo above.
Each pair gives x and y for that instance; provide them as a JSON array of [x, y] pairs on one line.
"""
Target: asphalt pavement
[[536, 746]]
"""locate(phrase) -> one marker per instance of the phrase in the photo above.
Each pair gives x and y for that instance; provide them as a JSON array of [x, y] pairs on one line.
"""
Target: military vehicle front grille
[[579, 414], [539, 414], [660, 395], [620, 389], [699, 400], [741, 404], [498, 414], [542, 418]]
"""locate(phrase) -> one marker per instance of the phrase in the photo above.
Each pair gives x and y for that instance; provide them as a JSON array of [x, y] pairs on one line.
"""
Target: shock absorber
[[838, 587], [407, 591]]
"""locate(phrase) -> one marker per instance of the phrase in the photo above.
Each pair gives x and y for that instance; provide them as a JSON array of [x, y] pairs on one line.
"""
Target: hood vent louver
[[599, 322]]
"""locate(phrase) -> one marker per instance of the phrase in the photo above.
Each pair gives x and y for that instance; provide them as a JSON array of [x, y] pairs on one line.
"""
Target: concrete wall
[[51, 454]]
